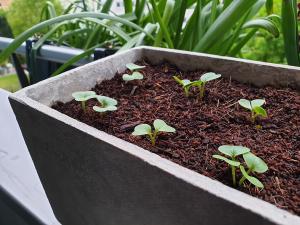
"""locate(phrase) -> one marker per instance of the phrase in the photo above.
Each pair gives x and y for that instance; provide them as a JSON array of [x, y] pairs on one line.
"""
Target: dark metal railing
[[48, 59]]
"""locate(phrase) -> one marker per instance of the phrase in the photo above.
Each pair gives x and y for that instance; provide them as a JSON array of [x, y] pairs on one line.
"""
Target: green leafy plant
[[135, 75], [255, 165], [231, 151], [185, 85], [216, 27], [255, 106], [83, 96], [290, 31], [146, 129], [106, 104]]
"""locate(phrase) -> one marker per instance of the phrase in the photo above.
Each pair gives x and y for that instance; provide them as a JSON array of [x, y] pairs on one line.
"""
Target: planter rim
[[258, 206]]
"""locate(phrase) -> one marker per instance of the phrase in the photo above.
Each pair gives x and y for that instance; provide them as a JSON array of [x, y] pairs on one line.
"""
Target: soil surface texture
[[204, 125]]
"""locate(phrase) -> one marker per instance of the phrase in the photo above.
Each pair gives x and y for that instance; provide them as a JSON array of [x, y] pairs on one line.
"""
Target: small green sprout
[[232, 151], [185, 85], [254, 164], [133, 67], [146, 129], [107, 104], [203, 80], [255, 106], [83, 96], [135, 74]]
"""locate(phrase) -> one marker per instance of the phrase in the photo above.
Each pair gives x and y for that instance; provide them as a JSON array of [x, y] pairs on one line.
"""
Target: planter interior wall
[[91, 177]]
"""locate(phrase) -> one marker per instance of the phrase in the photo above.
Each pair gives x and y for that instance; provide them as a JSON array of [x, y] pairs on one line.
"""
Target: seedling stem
[[244, 178]]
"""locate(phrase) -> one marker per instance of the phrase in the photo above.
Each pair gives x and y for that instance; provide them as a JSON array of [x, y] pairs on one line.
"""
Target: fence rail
[[48, 59], [48, 52]]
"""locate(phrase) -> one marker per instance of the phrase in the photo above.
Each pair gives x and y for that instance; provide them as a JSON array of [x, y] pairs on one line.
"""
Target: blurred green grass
[[10, 82]]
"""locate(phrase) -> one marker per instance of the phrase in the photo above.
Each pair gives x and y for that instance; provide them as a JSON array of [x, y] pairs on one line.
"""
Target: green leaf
[[142, 129], [209, 76], [104, 109], [39, 27], [232, 150], [251, 179], [260, 111], [184, 82], [245, 103], [106, 101], [255, 163], [269, 6], [134, 76], [257, 103], [265, 24], [230, 162], [132, 66], [81, 96], [161, 126]]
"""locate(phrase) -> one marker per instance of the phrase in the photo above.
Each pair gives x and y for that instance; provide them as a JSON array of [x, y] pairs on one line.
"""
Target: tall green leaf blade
[[265, 24], [224, 23], [182, 11], [269, 6], [163, 26], [128, 6], [106, 6], [28, 33], [166, 17], [290, 31], [244, 40], [149, 28], [139, 9], [213, 12]]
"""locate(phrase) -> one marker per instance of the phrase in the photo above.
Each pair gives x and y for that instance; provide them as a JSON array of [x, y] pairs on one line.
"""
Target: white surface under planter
[[91, 177], [18, 176]]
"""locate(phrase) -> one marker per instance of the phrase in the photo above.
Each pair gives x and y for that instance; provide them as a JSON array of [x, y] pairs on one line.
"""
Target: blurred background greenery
[[23, 14], [264, 47]]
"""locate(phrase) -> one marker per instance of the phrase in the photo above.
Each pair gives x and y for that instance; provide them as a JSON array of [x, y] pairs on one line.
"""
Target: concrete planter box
[[91, 177]]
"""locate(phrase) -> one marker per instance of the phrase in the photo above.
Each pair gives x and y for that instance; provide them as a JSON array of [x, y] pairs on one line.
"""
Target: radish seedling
[[203, 80], [146, 129], [185, 85], [232, 151], [255, 106], [135, 75], [133, 67], [106, 104], [255, 165], [83, 96]]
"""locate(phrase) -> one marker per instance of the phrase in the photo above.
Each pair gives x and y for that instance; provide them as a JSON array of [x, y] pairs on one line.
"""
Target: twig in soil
[[278, 184], [231, 105], [277, 204], [133, 90]]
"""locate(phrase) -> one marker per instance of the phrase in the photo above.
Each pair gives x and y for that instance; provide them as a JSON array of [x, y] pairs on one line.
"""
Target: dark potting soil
[[203, 126]]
